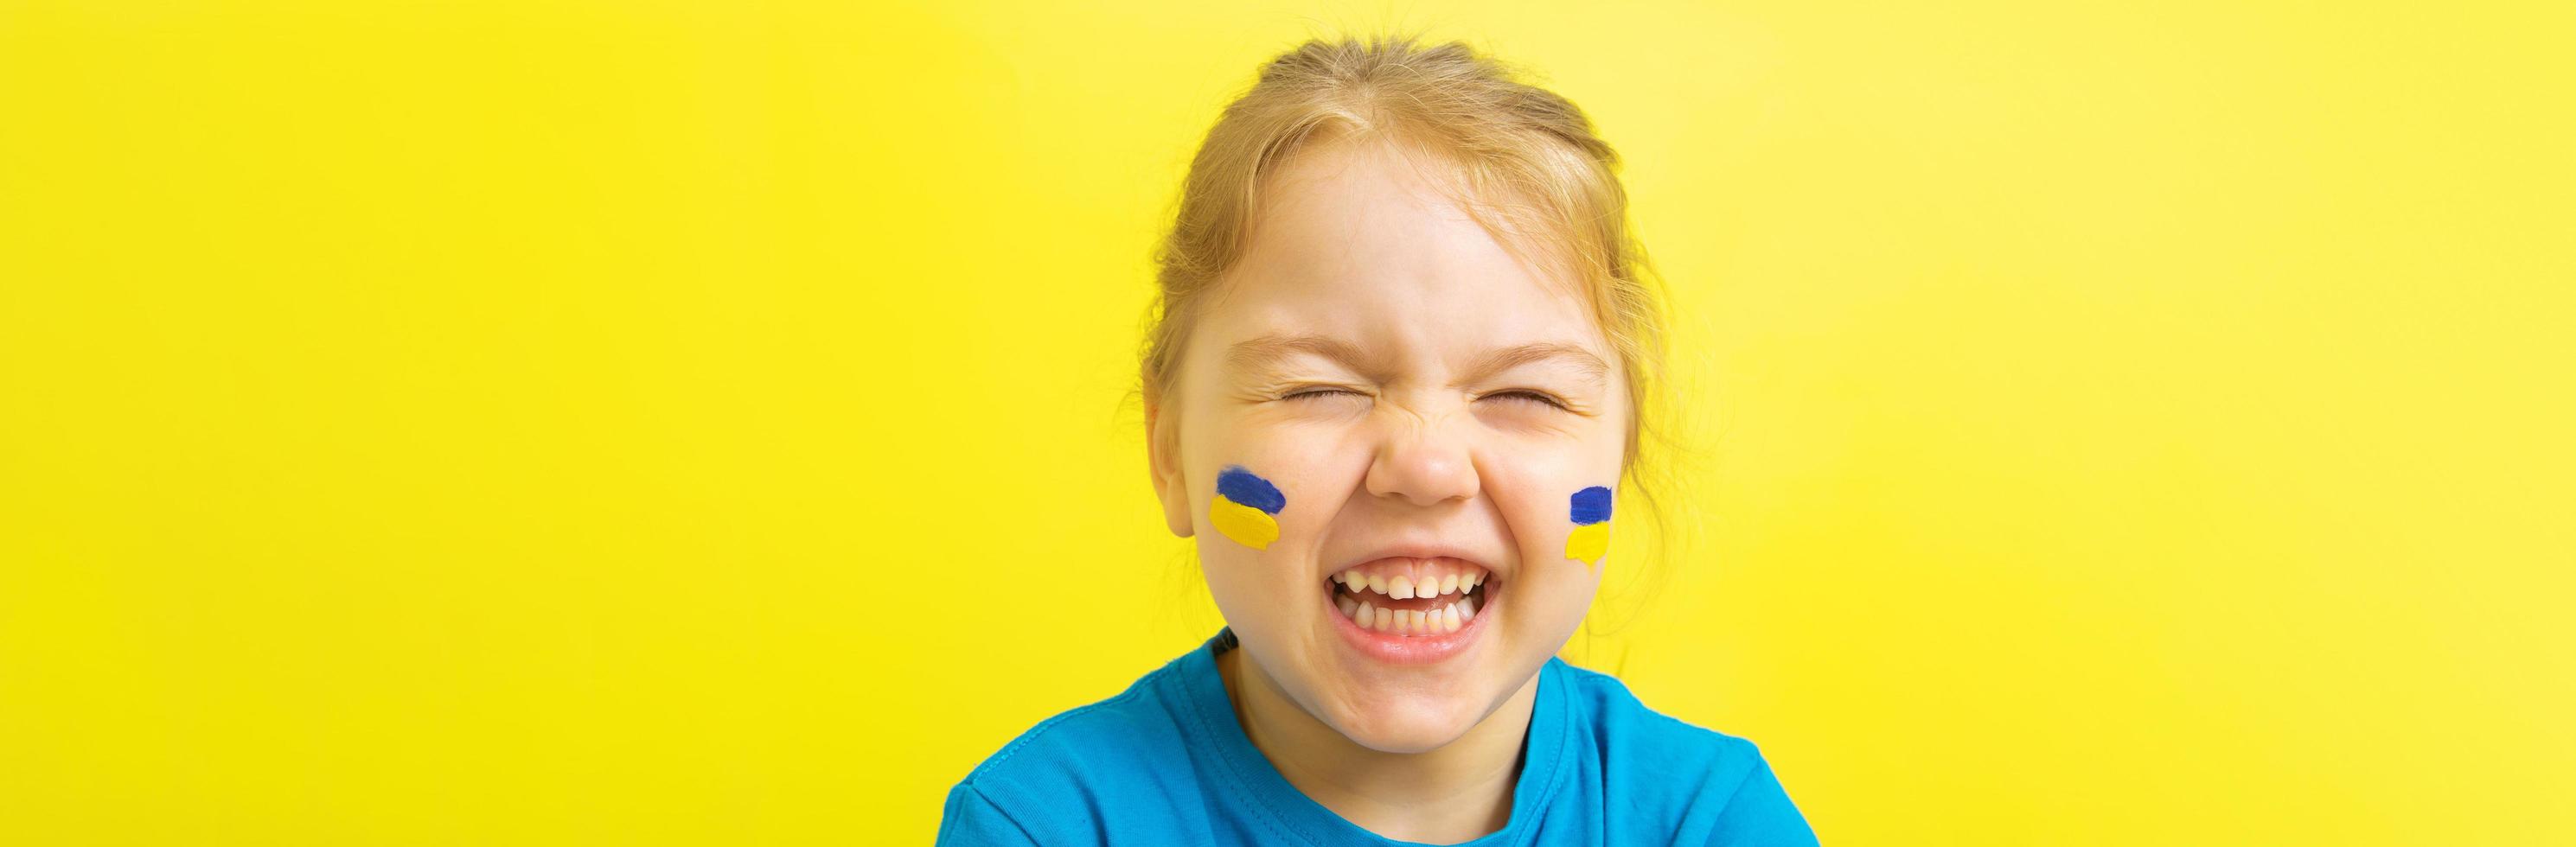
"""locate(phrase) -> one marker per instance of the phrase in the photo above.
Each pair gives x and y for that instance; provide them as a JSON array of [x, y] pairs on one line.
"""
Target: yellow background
[[572, 423]]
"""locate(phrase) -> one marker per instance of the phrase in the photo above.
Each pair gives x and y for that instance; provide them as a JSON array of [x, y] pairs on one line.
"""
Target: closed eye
[[1527, 396], [1318, 393]]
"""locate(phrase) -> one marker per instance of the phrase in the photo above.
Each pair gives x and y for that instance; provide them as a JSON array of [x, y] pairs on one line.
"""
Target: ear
[[1163, 461]]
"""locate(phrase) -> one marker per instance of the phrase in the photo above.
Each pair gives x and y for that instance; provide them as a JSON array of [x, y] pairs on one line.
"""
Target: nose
[[1424, 464]]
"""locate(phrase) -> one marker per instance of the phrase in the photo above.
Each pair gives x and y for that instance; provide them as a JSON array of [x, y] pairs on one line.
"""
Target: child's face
[[1419, 404]]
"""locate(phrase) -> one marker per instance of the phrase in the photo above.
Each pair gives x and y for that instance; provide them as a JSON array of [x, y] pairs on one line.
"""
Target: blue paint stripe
[[1243, 487], [1591, 505]]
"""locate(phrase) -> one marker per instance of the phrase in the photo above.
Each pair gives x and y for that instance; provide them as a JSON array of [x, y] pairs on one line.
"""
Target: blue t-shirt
[[1165, 763]]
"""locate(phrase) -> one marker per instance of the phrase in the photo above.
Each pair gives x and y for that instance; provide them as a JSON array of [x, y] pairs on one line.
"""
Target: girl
[[1395, 380]]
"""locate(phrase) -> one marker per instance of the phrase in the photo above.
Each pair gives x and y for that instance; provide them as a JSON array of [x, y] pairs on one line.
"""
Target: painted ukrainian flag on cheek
[[1591, 513], [1246, 508]]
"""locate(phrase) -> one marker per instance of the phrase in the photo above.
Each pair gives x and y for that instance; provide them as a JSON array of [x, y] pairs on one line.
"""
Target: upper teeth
[[1403, 587]]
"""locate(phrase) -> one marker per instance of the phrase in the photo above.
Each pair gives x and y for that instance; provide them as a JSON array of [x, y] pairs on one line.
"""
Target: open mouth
[[1411, 597]]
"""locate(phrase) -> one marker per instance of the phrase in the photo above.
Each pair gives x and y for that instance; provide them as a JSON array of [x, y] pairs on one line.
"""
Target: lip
[[1392, 649]]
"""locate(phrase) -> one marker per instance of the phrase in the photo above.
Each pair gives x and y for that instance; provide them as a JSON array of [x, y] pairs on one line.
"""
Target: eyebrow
[[1269, 351], [1512, 357]]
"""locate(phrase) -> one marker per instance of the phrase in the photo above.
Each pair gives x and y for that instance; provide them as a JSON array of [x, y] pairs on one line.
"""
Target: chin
[[1410, 724]]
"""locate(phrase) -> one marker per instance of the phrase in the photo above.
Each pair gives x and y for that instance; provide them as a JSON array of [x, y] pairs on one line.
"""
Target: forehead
[[1361, 240]]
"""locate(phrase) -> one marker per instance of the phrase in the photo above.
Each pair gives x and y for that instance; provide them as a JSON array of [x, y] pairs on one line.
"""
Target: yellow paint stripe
[[1588, 543], [1245, 524]]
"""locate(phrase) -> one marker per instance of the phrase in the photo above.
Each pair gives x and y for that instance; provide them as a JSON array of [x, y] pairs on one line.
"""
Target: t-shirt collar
[[1262, 791]]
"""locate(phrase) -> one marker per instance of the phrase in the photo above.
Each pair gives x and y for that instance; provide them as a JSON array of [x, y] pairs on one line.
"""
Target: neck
[[1458, 792]]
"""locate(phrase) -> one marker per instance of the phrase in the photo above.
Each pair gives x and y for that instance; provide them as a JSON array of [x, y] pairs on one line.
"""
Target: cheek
[[1588, 510], [1563, 563], [1257, 528], [1270, 489], [1246, 507], [1559, 508], [1563, 531]]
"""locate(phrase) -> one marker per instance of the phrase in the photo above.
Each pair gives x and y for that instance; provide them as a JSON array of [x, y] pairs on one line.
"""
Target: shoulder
[[1137, 717], [1090, 742], [1076, 767], [1672, 770], [1618, 721]]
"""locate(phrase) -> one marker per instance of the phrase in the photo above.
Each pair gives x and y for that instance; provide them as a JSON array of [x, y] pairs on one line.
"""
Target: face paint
[[1591, 515], [1245, 508]]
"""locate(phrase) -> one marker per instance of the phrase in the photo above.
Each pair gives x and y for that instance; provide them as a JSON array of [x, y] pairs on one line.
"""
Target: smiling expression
[[1430, 400]]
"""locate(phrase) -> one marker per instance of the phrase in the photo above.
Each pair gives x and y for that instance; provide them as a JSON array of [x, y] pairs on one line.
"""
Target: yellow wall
[[556, 423]]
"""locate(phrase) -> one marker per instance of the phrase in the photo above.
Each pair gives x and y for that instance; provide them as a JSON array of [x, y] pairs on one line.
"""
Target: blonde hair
[[1528, 167]]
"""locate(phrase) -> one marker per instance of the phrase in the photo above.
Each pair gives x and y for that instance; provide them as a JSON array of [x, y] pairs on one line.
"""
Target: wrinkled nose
[[1424, 464]]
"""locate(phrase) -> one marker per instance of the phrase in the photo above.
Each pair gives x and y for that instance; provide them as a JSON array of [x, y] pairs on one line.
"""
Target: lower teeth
[[1438, 620]]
